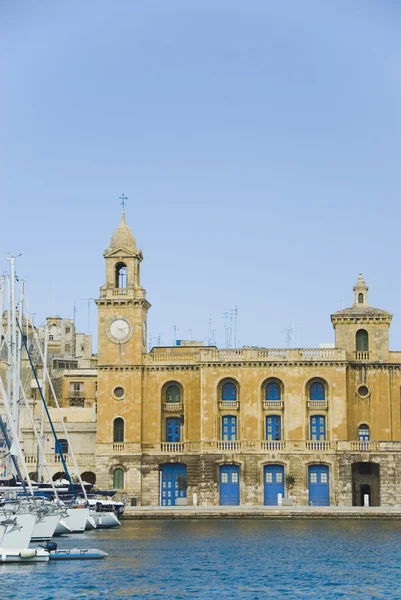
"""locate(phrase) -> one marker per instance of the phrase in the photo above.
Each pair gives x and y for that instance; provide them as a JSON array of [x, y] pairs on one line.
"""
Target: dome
[[122, 237]]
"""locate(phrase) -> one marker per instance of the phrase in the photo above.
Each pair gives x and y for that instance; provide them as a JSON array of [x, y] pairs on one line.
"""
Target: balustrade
[[173, 407], [276, 404], [320, 445], [231, 446], [273, 446], [319, 404], [361, 355], [172, 446], [229, 404], [118, 446]]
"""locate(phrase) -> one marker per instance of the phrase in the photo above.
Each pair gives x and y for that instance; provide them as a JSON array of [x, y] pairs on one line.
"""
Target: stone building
[[244, 426]]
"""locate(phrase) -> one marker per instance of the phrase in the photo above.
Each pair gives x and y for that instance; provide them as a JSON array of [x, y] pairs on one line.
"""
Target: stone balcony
[[229, 405], [243, 355], [317, 404], [254, 447], [82, 460], [273, 404], [362, 356], [176, 407]]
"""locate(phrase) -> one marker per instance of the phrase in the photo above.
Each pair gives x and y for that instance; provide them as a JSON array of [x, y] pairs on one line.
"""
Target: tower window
[[363, 433], [317, 391], [173, 394], [229, 392], [61, 446], [360, 298], [121, 275], [118, 479], [118, 430], [362, 341]]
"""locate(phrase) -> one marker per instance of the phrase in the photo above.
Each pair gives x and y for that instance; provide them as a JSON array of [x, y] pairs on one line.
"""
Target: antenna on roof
[[175, 329], [288, 333], [88, 301]]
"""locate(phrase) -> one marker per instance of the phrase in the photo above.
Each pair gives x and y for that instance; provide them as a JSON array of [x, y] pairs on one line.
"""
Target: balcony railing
[[320, 445], [273, 446], [173, 407], [118, 447], [365, 446], [319, 404], [55, 459], [120, 292], [229, 405], [208, 355], [172, 446], [361, 355], [230, 446], [76, 394], [276, 404]]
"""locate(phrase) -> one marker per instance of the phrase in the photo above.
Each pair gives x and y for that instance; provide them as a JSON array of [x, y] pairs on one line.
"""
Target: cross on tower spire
[[123, 199]]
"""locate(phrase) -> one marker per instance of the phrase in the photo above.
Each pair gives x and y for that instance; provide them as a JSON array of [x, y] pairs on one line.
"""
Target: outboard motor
[[50, 546]]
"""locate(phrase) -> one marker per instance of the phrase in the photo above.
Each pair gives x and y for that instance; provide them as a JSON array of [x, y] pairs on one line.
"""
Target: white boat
[[90, 523], [77, 518], [77, 554], [105, 520], [45, 527], [18, 530], [23, 555], [62, 528]]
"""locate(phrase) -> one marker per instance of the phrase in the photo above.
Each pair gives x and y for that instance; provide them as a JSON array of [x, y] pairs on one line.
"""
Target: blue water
[[222, 559]]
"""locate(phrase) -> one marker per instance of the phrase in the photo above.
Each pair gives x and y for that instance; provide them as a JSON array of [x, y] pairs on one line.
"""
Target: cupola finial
[[360, 291]]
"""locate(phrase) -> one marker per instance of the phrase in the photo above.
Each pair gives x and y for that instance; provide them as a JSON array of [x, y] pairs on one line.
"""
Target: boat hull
[[25, 555]]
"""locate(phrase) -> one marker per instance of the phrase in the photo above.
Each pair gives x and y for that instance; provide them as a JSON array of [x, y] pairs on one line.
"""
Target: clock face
[[119, 331]]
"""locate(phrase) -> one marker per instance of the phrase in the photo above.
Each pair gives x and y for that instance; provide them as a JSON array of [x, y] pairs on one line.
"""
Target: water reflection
[[223, 559]]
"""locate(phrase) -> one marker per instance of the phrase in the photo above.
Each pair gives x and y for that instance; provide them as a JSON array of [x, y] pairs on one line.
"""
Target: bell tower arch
[[122, 304]]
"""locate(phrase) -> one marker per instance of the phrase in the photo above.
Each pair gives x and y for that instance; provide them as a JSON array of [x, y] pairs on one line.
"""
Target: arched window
[[173, 394], [62, 446], [273, 391], [360, 298], [317, 391], [121, 275], [118, 479], [229, 392], [363, 433], [362, 341], [118, 430]]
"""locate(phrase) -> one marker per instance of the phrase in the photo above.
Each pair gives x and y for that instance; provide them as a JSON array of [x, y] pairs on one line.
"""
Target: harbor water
[[222, 559]]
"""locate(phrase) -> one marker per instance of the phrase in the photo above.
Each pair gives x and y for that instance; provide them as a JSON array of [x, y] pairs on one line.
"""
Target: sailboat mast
[[9, 353], [42, 408], [14, 399], [19, 352]]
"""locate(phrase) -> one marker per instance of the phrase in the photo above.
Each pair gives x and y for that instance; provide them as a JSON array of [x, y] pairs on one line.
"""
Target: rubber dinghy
[[73, 553]]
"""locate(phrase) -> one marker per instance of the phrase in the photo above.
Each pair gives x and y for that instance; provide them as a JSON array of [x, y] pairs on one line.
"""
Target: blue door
[[273, 427], [318, 428], [229, 429], [229, 485], [173, 429], [273, 483], [169, 488], [318, 478]]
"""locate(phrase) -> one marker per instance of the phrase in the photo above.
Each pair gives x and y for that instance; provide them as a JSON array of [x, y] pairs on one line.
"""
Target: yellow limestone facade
[[244, 426]]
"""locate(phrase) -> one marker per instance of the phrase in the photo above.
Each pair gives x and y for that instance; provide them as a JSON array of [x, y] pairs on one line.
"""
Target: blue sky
[[258, 143]]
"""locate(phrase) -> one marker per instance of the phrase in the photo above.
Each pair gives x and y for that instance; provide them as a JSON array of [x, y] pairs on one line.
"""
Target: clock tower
[[122, 342]]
